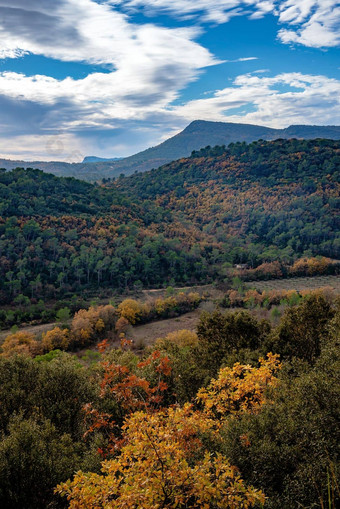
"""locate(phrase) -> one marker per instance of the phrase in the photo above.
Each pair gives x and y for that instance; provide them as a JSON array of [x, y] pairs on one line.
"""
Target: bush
[[55, 339], [21, 343]]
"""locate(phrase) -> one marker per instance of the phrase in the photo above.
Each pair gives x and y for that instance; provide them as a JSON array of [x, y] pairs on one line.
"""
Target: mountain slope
[[196, 135], [186, 222]]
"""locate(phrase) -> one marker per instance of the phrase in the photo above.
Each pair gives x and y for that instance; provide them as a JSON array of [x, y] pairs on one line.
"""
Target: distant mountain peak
[[95, 159]]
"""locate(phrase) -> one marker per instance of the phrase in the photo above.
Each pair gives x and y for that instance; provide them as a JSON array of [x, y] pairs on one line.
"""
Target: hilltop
[[196, 135]]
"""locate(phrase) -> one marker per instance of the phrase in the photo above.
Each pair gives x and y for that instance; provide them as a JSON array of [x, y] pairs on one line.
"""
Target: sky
[[113, 77]]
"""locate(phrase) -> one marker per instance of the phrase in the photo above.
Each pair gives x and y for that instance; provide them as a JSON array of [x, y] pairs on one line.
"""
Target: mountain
[[196, 135], [95, 159]]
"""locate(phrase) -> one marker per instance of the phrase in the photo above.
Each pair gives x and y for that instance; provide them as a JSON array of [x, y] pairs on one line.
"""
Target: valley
[[194, 308], [169, 254]]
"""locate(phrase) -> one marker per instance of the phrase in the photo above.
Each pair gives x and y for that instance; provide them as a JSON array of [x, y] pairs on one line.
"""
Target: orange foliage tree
[[88, 325], [130, 392]]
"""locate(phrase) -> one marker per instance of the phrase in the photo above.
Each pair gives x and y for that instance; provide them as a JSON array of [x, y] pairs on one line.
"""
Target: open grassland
[[147, 334], [297, 283]]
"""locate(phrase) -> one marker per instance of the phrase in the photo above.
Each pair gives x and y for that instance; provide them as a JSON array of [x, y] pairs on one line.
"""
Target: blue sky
[[112, 77]]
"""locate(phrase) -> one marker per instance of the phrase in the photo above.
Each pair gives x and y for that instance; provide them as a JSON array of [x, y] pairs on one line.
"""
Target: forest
[[239, 414], [264, 205], [242, 410]]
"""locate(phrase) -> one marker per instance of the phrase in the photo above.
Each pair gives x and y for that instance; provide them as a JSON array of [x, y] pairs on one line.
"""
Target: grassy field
[[297, 283], [143, 335]]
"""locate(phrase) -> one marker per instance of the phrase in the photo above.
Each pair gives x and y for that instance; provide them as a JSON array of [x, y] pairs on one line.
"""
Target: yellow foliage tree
[[130, 309], [55, 338], [21, 343], [100, 325], [239, 389], [159, 467], [180, 338]]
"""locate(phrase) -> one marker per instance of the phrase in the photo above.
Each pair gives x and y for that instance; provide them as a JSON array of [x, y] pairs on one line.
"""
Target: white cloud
[[318, 22], [306, 99], [278, 101], [242, 59], [314, 23], [30, 147], [215, 11], [145, 67], [11, 53], [148, 64]]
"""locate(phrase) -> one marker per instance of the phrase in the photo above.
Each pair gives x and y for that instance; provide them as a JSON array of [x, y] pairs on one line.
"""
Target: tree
[[33, 458], [240, 389], [42, 427], [130, 309], [291, 447], [221, 335], [55, 339], [302, 327], [158, 466], [63, 315], [21, 343]]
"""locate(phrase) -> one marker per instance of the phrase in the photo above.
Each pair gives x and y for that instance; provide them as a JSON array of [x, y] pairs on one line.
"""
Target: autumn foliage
[[158, 467], [239, 389], [161, 429], [162, 460], [21, 343], [56, 338]]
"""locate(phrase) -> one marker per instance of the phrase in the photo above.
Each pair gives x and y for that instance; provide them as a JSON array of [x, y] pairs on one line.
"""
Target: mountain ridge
[[198, 134]]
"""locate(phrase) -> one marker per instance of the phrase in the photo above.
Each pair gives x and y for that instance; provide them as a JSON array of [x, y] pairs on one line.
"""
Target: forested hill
[[187, 222], [196, 135], [309, 163], [32, 192]]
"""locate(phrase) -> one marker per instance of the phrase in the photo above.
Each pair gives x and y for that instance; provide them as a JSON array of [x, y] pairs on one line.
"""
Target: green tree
[[301, 329], [222, 335]]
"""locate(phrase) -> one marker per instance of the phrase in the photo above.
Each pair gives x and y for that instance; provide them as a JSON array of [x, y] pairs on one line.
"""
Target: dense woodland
[[237, 415], [243, 412], [188, 222]]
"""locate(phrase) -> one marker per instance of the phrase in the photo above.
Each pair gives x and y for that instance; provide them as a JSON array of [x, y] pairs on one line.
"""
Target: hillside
[[196, 135], [95, 159], [188, 222]]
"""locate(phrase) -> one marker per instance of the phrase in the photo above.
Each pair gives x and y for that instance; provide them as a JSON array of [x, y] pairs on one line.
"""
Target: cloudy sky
[[112, 77]]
